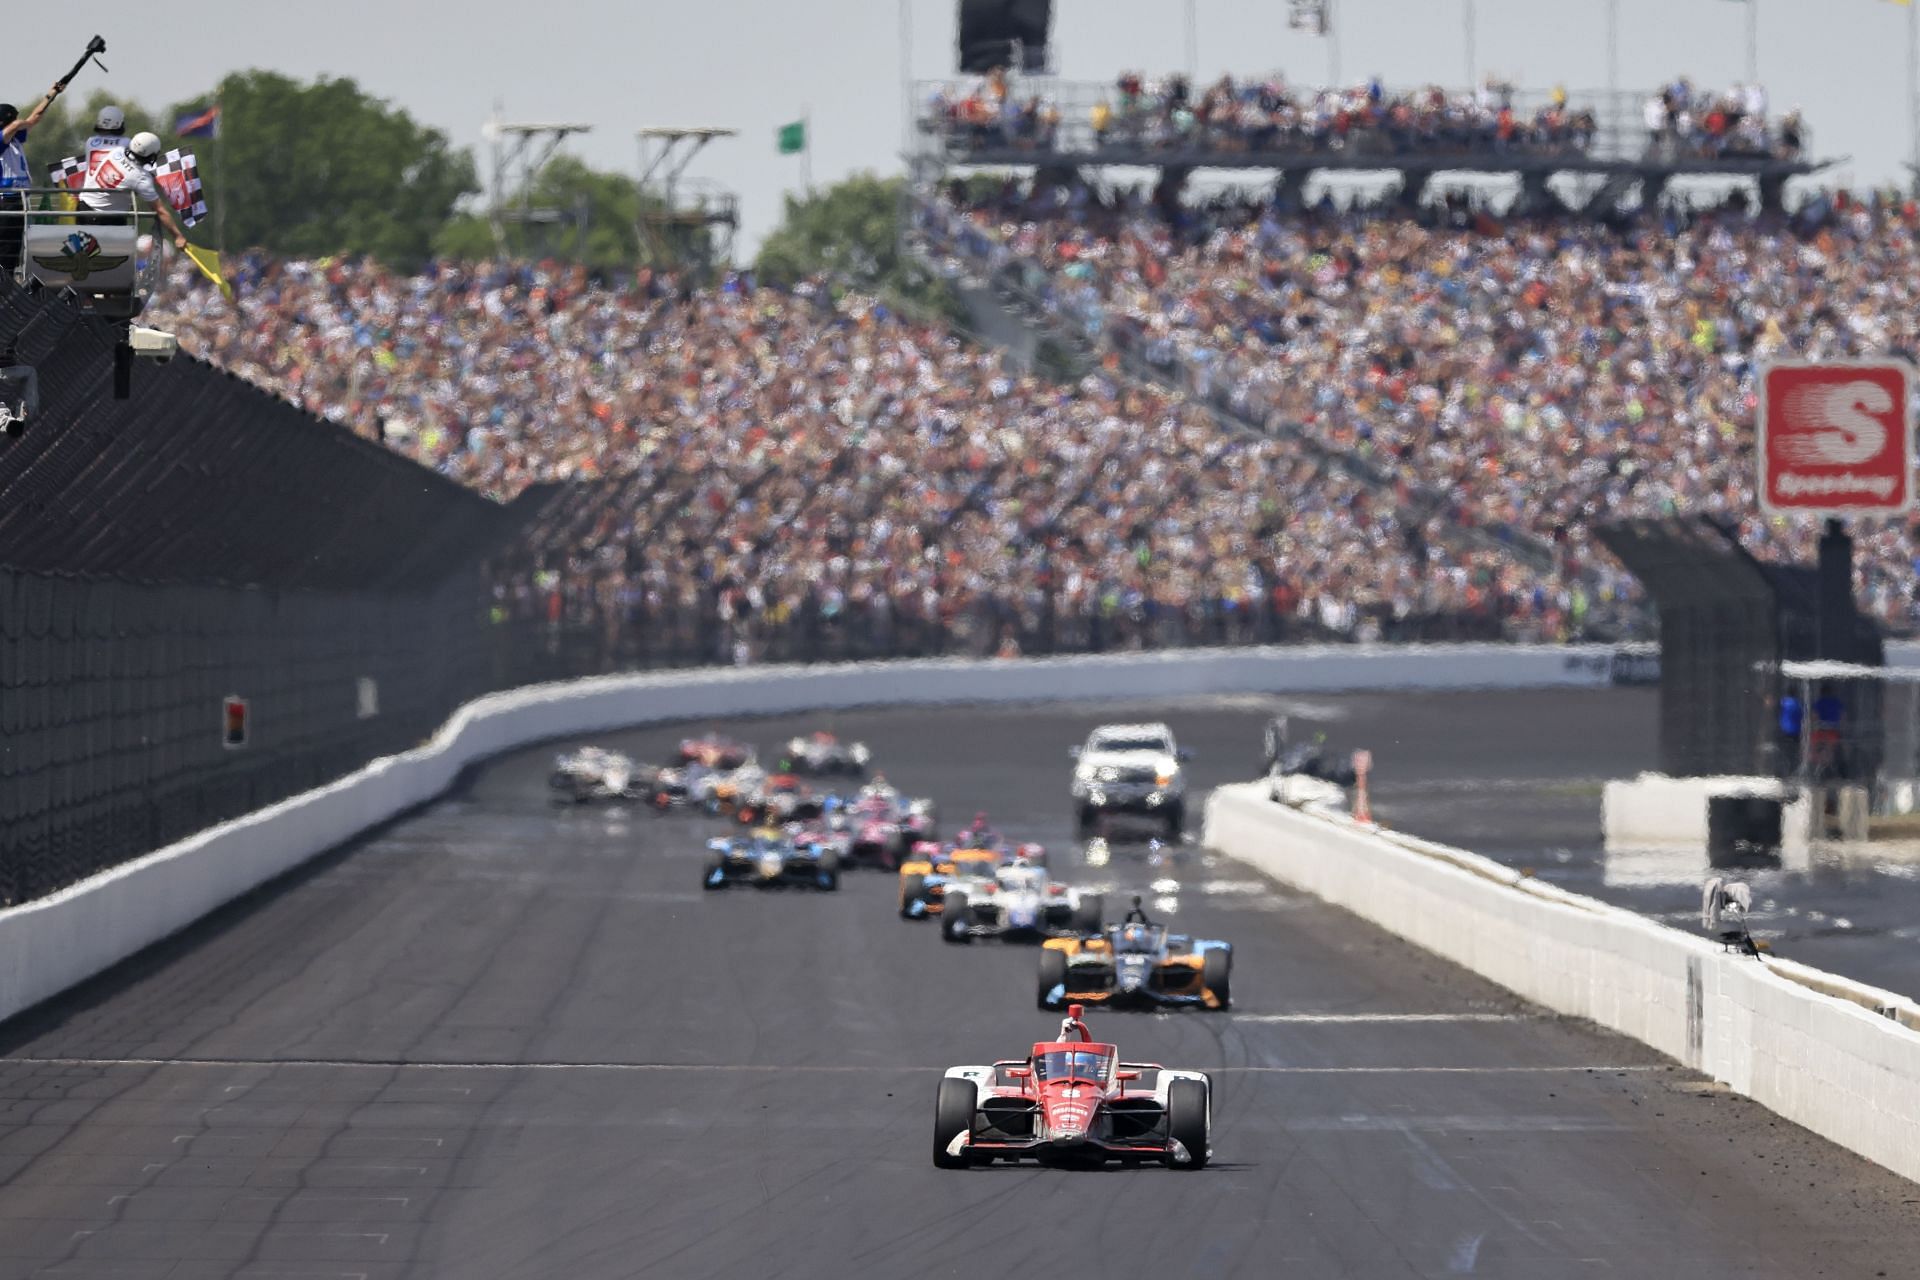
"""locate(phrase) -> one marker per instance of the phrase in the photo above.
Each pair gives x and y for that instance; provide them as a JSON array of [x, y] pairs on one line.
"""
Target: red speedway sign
[[1836, 438]]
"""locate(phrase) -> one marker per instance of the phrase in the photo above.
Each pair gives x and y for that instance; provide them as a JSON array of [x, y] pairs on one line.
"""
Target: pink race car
[[1072, 1101]]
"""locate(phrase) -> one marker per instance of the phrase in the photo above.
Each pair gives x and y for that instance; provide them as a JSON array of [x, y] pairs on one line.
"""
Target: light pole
[[1333, 45], [1467, 20], [1913, 87], [906, 76], [1193, 44], [1613, 51]]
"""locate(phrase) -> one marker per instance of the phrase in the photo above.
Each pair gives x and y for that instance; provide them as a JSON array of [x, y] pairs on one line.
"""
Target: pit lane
[[500, 1039]]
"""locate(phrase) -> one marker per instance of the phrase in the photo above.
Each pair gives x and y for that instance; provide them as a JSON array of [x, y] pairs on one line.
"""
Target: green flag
[[793, 137]]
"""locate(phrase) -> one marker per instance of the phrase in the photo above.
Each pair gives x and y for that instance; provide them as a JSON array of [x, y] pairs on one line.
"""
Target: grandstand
[[1618, 147], [1528, 375], [892, 482]]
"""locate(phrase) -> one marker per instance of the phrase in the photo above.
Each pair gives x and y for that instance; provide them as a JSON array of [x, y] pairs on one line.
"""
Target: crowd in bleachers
[[1685, 122], [1545, 374], [1270, 116], [1265, 115], [756, 457]]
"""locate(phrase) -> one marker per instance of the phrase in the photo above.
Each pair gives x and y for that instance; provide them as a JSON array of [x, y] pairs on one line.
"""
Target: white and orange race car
[[976, 852], [1071, 1101]]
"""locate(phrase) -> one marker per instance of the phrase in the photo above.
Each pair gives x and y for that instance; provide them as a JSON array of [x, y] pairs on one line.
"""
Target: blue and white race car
[[769, 858]]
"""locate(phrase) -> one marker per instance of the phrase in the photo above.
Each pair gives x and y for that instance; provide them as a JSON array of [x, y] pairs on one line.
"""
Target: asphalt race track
[[507, 1040]]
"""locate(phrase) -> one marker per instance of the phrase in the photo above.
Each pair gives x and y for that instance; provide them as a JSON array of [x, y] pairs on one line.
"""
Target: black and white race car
[[771, 859], [820, 753], [595, 773], [1019, 902]]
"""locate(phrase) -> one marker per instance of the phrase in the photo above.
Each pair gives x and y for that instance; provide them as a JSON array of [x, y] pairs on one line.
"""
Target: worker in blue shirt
[[15, 177], [1792, 722]]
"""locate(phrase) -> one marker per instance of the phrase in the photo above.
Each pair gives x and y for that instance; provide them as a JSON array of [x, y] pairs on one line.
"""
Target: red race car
[[715, 751], [1071, 1101]]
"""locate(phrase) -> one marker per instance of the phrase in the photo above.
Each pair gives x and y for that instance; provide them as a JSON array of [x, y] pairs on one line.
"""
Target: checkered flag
[[69, 173], [179, 177]]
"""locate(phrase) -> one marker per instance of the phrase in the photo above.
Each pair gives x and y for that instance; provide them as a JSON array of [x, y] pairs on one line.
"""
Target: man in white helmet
[[109, 132], [115, 177]]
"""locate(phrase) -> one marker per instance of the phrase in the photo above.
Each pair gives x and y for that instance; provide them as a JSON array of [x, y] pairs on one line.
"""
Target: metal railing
[[80, 256]]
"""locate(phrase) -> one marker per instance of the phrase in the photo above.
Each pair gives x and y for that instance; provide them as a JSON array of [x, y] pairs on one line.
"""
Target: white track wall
[[48, 945], [1826, 1061]]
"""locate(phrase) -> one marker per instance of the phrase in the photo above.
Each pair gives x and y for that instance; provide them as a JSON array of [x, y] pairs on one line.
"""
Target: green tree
[[850, 231], [312, 169], [606, 204]]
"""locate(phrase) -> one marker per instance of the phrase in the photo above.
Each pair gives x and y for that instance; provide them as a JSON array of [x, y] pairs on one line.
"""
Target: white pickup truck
[[1130, 769]]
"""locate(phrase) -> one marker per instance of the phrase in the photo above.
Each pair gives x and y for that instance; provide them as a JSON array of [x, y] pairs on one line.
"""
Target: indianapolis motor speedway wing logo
[[80, 257]]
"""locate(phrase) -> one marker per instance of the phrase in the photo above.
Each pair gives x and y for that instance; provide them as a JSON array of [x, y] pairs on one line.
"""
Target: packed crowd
[[1265, 116], [1684, 122], [753, 458], [1541, 375]]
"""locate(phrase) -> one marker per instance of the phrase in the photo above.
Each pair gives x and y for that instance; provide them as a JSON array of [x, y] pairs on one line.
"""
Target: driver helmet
[[144, 147], [110, 120], [1134, 935]]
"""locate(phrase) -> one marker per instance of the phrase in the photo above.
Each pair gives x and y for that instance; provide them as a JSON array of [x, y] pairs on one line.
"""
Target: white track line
[[767, 1068]]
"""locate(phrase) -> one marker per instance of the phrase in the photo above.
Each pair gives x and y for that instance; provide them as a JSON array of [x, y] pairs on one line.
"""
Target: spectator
[[116, 177]]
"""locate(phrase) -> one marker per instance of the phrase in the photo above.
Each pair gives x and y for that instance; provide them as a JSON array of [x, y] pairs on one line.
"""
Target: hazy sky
[[753, 64]]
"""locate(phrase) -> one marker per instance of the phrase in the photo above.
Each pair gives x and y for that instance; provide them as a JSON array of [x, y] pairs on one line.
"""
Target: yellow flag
[[208, 260]]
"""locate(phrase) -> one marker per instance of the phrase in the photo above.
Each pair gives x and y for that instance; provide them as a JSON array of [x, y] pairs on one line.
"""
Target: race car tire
[[1216, 971], [1053, 973], [712, 881], [953, 919], [1176, 819], [1090, 914], [953, 1112], [912, 888], [1187, 1122], [1085, 818], [829, 870]]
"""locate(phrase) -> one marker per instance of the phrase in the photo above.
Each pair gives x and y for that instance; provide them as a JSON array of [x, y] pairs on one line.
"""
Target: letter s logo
[[1832, 426]]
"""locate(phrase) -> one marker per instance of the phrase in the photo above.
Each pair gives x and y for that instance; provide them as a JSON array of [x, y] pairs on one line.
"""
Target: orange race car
[[1136, 964]]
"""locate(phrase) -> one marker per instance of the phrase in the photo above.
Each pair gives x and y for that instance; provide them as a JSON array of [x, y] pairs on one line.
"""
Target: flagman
[[14, 175], [114, 178]]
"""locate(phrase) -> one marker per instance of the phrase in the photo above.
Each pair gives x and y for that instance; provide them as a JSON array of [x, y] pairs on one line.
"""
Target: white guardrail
[[1839, 1057]]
